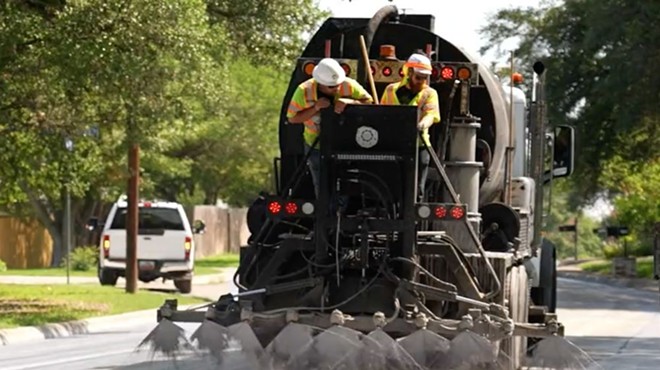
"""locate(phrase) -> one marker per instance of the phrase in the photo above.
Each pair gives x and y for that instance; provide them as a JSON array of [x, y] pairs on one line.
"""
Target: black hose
[[292, 185], [382, 15]]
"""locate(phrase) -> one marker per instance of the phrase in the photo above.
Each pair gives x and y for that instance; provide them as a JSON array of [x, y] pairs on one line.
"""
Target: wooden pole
[[132, 216], [367, 65]]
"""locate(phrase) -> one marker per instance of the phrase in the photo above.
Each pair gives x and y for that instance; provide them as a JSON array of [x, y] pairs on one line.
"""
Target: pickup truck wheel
[[108, 277], [184, 286]]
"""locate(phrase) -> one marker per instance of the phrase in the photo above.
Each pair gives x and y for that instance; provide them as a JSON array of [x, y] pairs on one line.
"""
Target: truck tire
[[546, 293], [107, 276], [183, 285], [516, 290]]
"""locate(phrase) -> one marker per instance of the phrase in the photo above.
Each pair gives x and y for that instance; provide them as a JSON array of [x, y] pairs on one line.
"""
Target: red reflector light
[[447, 73], [440, 212], [457, 213], [401, 72], [146, 204], [274, 207], [291, 208], [387, 71]]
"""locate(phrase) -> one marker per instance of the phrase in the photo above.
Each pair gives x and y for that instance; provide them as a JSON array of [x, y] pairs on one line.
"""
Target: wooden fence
[[226, 230], [24, 243], [27, 244]]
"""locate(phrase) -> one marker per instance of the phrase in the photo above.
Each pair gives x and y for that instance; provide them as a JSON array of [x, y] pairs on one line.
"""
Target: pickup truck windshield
[[150, 219]]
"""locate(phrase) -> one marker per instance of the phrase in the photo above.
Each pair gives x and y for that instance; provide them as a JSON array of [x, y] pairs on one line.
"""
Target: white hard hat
[[329, 73], [420, 63]]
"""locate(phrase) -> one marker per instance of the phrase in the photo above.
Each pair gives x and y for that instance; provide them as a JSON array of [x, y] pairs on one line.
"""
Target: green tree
[[598, 77], [589, 244], [267, 32], [110, 65], [231, 155], [637, 203]]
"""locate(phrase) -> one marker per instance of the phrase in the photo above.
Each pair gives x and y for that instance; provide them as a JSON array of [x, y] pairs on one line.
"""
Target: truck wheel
[[516, 290], [108, 276], [184, 286], [546, 293]]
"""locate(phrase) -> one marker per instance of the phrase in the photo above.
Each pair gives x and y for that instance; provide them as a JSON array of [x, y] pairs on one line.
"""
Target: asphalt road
[[618, 327]]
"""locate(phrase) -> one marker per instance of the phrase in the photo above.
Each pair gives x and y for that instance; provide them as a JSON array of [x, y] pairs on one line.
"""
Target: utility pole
[[575, 238], [132, 211], [68, 144]]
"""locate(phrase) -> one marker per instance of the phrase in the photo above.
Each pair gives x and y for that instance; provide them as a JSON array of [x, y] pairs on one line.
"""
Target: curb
[[639, 284], [66, 329]]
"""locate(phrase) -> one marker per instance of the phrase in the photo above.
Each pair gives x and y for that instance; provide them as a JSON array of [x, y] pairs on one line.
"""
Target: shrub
[[3, 266], [83, 258], [611, 250]]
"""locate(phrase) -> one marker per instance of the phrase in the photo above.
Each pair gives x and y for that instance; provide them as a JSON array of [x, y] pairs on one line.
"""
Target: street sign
[[617, 231], [567, 228]]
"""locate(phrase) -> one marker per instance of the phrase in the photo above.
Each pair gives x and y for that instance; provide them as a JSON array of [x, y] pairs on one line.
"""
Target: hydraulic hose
[[382, 15]]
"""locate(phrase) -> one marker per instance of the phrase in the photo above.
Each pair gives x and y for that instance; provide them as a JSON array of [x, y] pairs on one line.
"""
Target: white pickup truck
[[165, 246]]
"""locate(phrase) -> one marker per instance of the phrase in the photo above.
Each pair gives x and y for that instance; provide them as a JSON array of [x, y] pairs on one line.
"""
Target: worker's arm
[[358, 96], [308, 113], [430, 111], [297, 112]]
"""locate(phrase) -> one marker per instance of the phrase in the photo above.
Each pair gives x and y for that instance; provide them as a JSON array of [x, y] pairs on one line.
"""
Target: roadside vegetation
[[27, 305], [644, 267]]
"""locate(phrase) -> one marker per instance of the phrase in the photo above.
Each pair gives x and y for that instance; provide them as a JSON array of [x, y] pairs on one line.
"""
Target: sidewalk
[[224, 274]]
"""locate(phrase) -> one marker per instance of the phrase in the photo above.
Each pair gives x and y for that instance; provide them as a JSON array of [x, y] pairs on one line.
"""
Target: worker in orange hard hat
[[329, 86], [414, 89]]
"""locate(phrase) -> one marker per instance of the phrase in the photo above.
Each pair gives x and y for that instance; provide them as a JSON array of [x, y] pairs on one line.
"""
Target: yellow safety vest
[[305, 97], [426, 101]]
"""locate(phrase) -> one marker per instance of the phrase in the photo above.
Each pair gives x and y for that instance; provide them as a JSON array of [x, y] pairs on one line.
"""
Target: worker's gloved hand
[[322, 103], [425, 123], [340, 105]]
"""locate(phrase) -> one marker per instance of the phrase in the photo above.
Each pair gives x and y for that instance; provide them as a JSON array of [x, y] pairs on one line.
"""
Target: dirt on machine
[[370, 274]]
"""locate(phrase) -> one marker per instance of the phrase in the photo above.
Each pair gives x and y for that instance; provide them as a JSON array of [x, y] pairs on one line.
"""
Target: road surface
[[618, 327]]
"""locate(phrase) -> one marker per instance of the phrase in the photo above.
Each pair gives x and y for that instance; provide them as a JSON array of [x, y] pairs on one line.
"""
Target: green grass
[[203, 266], [644, 267], [218, 261], [26, 305]]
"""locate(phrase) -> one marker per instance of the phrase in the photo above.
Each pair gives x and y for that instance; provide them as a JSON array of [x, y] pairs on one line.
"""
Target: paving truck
[[370, 275]]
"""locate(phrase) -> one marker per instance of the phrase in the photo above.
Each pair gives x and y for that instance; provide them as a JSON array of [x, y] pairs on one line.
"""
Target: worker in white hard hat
[[329, 86], [414, 89]]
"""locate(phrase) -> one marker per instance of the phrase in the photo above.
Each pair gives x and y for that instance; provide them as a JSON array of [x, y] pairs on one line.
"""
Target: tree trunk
[[58, 249]]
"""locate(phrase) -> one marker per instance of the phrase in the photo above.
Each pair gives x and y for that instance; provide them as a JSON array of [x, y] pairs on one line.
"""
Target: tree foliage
[[198, 83], [267, 32], [600, 76]]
